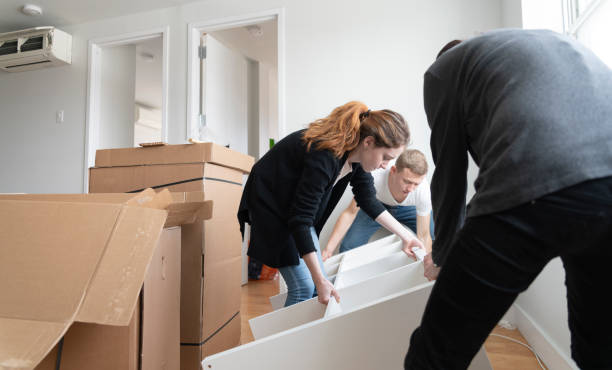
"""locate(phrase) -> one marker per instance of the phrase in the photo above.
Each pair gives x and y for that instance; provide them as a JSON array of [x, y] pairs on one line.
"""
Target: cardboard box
[[174, 154], [153, 333], [42, 297], [211, 250], [148, 332], [196, 353]]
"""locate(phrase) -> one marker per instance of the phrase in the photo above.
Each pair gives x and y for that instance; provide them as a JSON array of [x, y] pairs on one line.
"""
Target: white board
[[383, 294]]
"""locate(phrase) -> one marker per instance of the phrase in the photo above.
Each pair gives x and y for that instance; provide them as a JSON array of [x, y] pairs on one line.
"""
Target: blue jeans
[[300, 286], [364, 227]]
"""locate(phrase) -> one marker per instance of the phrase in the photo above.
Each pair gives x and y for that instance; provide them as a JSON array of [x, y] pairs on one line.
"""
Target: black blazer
[[291, 189]]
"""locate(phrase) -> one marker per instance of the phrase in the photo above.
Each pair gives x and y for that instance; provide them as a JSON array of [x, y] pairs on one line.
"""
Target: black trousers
[[495, 257]]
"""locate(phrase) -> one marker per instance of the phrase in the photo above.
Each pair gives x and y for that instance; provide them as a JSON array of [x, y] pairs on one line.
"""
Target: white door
[[224, 96]]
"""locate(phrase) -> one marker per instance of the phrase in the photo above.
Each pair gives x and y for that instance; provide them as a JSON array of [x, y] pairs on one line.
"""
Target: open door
[[223, 106]]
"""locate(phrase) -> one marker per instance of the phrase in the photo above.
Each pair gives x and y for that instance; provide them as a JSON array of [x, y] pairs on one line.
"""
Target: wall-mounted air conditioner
[[34, 48]]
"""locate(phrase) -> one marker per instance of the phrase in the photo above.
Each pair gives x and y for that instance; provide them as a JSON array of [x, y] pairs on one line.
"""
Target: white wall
[[596, 30], [542, 14], [117, 97], [375, 51], [268, 107], [512, 15], [253, 107], [37, 154], [149, 73]]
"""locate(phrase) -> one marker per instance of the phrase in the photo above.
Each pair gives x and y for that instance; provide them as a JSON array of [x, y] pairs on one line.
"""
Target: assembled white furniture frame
[[383, 295]]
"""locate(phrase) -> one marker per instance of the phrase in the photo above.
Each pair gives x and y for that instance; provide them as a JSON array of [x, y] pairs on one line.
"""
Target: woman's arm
[[393, 225], [325, 289]]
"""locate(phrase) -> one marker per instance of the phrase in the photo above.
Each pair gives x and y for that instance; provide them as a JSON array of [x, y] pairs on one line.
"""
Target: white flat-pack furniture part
[[382, 298]]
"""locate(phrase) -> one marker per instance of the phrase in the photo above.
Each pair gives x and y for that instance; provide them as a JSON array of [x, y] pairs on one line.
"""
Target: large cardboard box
[[62, 262], [152, 336], [149, 339], [211, 250]]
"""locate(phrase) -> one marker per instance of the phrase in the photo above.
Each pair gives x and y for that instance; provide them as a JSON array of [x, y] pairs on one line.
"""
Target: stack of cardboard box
[[211, 250], [73, 267]]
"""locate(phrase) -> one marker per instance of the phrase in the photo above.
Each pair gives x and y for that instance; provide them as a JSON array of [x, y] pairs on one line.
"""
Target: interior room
[[103, 101]]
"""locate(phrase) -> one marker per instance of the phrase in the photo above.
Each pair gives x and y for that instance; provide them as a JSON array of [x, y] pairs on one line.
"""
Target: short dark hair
[[448, 46]]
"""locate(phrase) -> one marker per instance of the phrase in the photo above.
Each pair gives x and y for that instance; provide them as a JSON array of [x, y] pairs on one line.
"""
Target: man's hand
[[431, 269], [326, 290], [408, 244], [327, 252]]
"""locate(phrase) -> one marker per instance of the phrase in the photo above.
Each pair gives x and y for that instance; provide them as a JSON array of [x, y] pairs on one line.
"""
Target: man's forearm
[[423, 232], [426, 239], [340, 228]]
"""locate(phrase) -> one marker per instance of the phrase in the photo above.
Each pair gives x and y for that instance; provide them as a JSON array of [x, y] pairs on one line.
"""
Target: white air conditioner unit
[[34, 48]]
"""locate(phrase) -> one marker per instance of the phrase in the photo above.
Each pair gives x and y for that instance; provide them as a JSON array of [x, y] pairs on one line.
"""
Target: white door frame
[[195, 29], [94, 70]]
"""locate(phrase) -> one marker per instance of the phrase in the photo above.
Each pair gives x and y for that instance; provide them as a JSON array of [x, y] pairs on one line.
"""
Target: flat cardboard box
[[107, 246], [173, 154], [211, 251]]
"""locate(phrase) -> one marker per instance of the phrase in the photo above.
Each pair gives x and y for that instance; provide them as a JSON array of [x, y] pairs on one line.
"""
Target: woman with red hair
[[292, 190]]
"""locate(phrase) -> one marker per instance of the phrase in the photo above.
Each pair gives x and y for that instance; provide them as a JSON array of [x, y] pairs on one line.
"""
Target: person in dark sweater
[[534, 110], [293, 188]]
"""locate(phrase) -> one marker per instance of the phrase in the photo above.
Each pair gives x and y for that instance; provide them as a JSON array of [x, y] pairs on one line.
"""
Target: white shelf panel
[[383, 294]]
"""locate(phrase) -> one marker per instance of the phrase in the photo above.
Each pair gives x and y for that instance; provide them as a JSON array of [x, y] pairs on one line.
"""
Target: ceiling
[[67, 12], [262, 48]]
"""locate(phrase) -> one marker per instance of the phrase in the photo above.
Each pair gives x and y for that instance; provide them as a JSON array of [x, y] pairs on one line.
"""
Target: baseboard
[[550, 353]]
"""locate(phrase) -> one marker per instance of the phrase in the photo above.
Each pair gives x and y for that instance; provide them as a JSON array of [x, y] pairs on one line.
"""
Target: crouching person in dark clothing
[[534, 110]]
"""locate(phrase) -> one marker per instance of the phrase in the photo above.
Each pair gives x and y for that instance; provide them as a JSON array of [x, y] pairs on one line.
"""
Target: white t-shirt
[[419, 197]]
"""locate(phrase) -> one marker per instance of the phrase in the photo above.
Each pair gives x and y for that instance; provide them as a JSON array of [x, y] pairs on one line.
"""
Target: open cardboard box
[[76, 258]]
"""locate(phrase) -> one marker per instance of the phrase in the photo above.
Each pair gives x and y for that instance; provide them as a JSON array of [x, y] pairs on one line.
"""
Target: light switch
[[59, 116]]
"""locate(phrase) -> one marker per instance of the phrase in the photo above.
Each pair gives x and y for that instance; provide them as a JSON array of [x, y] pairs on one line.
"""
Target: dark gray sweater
[[534, 110]]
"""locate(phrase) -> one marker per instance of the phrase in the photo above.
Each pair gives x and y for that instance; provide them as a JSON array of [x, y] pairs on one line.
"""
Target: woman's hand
[[431, 269], [326, 290], [408, 244]]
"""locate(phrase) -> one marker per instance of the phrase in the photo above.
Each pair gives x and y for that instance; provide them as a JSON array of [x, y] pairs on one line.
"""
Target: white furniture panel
[[366, 253], [382, 298]]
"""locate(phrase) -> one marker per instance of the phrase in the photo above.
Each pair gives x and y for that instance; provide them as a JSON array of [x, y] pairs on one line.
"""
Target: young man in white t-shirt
[[404, 191]]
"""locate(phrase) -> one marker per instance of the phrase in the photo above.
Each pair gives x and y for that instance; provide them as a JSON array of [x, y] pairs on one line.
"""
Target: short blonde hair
[[413, 160]]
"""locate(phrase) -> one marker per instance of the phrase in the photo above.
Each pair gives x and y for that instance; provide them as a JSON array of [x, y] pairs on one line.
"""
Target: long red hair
[[347, 125]]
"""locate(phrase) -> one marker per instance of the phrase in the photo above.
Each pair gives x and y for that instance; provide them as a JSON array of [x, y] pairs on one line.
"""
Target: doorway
[[237, 82], [127, 93]]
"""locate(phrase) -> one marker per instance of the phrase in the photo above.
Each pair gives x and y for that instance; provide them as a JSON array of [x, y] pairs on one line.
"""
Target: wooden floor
[[503, 353]]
